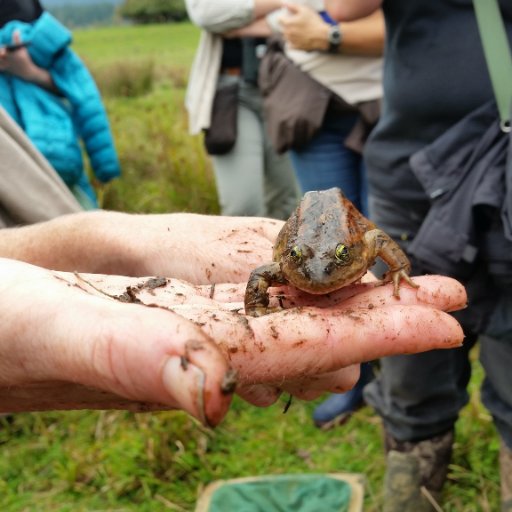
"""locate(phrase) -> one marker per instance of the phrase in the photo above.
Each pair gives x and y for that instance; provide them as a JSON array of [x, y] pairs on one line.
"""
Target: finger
[[309, 388], [155, 356], [16, 37], [440, 292], [293, 344], [260, 395], [318, 344], [338, 381]]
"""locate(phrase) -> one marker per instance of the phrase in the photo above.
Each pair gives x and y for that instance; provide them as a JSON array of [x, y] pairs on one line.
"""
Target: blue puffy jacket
[[55, 124]]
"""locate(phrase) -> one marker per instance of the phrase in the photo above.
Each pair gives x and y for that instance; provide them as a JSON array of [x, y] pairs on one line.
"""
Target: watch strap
[[335, 38]]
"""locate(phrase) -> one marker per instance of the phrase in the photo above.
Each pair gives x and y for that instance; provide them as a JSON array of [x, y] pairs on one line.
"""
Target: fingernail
[[185, 383]]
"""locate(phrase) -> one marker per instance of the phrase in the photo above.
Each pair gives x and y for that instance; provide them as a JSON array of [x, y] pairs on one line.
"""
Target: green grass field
[[116, 461]]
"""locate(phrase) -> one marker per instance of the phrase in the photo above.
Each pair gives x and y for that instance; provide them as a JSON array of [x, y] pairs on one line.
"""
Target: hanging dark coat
[[467, 174]]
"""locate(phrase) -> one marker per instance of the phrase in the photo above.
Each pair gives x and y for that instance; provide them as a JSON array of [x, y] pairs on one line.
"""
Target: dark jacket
[[464, 173]]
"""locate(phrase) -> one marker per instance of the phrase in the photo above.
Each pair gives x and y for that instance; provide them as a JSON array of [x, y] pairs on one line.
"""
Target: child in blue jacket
[[56, 123]]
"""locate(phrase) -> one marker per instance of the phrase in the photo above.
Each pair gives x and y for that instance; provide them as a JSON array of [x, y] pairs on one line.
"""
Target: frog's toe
[[396, 285], [407, 278], [397, 277]]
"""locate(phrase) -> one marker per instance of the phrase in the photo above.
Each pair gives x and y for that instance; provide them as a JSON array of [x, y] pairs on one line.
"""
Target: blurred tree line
[[82, 15], [153, 11], [75, 14]]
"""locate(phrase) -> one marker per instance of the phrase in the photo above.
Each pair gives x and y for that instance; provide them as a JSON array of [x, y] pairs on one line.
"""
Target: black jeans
[[420, 396]]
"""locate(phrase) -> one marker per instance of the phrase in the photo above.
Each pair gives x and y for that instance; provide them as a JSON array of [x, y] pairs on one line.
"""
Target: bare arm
[[365, 36], [258, 28], [347, 10], [306, 30]]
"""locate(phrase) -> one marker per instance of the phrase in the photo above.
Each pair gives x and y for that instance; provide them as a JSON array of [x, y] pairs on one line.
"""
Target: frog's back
[[321, 216]]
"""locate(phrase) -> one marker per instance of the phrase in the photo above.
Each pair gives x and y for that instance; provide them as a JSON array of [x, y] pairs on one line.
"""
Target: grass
[[164, 168], [117, 461]]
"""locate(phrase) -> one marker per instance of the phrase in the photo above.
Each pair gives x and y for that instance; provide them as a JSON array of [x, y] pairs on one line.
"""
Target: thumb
[[156, 356]]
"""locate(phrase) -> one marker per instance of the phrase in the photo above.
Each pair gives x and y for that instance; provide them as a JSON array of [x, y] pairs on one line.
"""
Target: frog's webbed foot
[[396, 276]]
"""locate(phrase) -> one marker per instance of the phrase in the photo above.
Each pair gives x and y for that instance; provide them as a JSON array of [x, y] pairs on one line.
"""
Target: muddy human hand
[[201, 249], [315, 344]]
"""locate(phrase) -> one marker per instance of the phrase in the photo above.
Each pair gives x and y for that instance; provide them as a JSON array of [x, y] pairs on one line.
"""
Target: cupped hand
[[316, 343], [91, 341]]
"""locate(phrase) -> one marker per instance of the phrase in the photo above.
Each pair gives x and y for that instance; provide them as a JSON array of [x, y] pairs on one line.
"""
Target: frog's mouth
[[320, 287]]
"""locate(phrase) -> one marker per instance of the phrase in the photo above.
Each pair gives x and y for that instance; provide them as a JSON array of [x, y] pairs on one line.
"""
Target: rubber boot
[[415, 473]]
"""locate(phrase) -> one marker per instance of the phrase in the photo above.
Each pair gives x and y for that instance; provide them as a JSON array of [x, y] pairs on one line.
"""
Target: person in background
[[347, 60], [49, 92], [30, 191], [435, 81], [251, 178]]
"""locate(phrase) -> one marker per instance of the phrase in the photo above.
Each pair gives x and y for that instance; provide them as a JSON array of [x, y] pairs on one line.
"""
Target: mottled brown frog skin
[[325, 245]]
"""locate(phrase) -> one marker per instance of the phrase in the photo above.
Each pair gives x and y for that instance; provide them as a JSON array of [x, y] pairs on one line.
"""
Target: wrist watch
[[334, 38]]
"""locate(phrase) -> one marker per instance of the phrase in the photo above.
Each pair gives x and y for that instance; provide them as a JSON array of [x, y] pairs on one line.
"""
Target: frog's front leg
[[256, 294], [381, 244]]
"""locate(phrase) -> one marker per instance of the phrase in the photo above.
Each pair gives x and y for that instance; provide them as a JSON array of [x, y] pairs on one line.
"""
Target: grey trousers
[[252, 180], [420, 396], [30, 189]]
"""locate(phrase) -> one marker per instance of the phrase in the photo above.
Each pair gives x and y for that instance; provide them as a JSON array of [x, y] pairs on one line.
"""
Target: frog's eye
[[341, 253], [296, 253]]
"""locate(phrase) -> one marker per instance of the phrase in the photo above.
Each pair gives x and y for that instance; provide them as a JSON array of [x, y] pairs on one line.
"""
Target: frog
[[325, 245]]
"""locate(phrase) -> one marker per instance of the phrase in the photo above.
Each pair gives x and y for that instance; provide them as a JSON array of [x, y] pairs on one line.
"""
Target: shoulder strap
[[497, 54]]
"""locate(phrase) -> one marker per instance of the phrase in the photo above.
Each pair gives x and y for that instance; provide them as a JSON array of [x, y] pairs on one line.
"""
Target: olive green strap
[[497, 54]]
